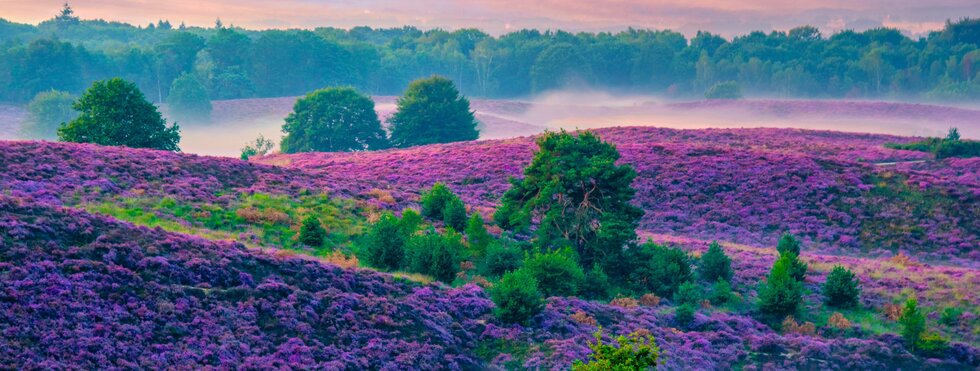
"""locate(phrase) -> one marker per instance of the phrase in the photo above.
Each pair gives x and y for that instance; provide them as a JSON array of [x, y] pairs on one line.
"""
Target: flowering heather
[[739, 185]]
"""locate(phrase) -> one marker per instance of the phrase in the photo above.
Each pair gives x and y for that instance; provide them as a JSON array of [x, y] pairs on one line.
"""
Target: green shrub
[[385, 243], [477, 235], [959, 148], [951, 316], [684, 314], [932, 344], [501, 258], [659, 269], [688, 293], [632, 353], [435, 199], [410, 222], [46, 112], [454, 214], [841, 289], [721, 292], [715, 265], [913, 322], [259, 147], [517, 297], [596, 285], [789, 245], [311, 232], [781, 294], [435, 255], [724, 90], [556, 272]]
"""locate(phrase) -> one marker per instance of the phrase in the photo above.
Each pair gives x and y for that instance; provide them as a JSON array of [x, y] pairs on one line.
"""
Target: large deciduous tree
[[432, 111], [333, 120]]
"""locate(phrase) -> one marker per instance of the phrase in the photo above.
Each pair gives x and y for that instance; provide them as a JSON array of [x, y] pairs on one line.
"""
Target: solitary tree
[[517, 297], [841, 289], [333, 120], [432, 111], [715, 264], [781, 294], [578, 195], [114, 112], [913, 322], [311, 232]]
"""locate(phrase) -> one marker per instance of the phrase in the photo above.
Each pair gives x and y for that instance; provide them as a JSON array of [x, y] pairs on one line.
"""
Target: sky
[[728, 18]]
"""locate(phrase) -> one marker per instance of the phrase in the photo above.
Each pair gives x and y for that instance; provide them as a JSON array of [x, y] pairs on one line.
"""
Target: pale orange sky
[[725, 17]]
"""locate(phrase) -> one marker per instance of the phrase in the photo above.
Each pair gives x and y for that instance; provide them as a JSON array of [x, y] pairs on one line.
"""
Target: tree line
[[68, 54]]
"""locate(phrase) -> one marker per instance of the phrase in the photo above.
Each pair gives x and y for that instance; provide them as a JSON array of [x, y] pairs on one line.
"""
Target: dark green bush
[[721, 292], [913, 322], [841, 289], [715, 265], [517, 297], [435, 199], [556, 272], [385, 243], [454, 214], [688, 293], [781, 294], [596, 285], [659, 269], [951, 316], [477, 235], [501, 258], [311, 232], [114, 112], [331, 120], [435, 255], [684, 314], [432, 111]]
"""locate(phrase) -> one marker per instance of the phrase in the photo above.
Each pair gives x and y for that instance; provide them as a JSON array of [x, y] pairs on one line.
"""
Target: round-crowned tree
[[189, 98], [47, 111], [333, 120], [432, 111], [115, 113]]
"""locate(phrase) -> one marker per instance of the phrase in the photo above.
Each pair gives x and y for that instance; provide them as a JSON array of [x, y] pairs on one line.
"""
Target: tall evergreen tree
[[781, 294]]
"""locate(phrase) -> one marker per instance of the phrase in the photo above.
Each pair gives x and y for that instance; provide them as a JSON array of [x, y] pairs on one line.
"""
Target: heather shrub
[[435, 199], [583, 318], [624, 302], [659, 269], [687, 293], [841, 288], [454, 214], [649, 300], [517, 297], [333, 120], [556, 272], [435, 255], [715, 265], [838, 321], [114, 112], [432, 111], [790, 326], [596, 285], [630, 353], [477, 235], [724, 90], [932, 344], [684, 314], [781, 294], [501, 258], [46, 111], [951, 316], [384, 245], [311, 232], [721, 292], [913, 322]]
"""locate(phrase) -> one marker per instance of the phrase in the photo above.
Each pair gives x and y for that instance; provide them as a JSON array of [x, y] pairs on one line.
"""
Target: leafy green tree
[[721, 292], [596, 285], [557, 274], [632, 353], [517, 297], [560, 65], [841, 289], [384, 246], [259, 147], [913, 322], [311, 232], [477, 235], [790, 246], [435, 200], [579, 196], [684, 314], [724, 90], [333, 120], [715, 265], [501, 258], [781, 294], [435, 255], [658, 269], [688, 293], [114, 112], [410, 222], [189, 98], [47, 111], [432, 111], [454, 215]]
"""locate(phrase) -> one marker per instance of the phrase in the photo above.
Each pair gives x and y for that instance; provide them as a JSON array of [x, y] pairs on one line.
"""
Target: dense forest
[[67, 54]]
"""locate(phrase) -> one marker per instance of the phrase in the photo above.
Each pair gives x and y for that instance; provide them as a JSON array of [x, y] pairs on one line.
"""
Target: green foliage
[[721, 292], [951, 316], [311, 232], [501, 258], [715, 265], [781, 294], [913, 322], [632, 353], [788, 245], [259, 147], [410, 222], [596, 285], [950, 146], [115, 113], [932, 344], [333, 120], [477, 235], [688, 293], [435, 255], [556, 272], [558, 66], [841, 290], [659, 269], [580, 197], [684, 314], [724, 90], [47, 111], [384, 245], [432, 111], [189, 98], [454, 214], [517, 297], [434, 200]]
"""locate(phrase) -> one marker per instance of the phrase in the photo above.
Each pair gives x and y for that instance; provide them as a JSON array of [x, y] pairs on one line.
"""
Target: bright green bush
[[477, 235], [435, 199], [517, 297], [913, 322], [715, 265], [454, 214], [384, 246], [688, 293], [632, 353], [259, 147], [790, 246], [556, 272], [932, 344], [781, 294], [435, 255], [841, 289]]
